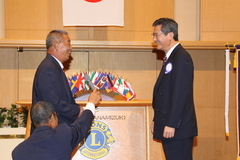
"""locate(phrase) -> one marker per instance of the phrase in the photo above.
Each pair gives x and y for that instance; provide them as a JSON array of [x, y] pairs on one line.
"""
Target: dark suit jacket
[[46, 143], [173, 97], [50, 84]]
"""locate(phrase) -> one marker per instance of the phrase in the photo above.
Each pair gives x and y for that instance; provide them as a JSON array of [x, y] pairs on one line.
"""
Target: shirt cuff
[[90, 106]]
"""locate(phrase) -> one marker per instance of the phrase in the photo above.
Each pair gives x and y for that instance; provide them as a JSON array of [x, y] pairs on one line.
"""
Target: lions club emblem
[[99, 141]]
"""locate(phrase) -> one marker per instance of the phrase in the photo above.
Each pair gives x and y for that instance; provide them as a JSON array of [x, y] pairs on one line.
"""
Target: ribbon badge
[[168, 68]]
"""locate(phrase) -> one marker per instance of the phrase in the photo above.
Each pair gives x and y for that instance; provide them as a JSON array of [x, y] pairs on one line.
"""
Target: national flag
[[102, 82], [111, 79], [93, 12], [81, 81], [85, 83], [118, 86], [97, 78], [93, 76], [128, 92], [72, 84]]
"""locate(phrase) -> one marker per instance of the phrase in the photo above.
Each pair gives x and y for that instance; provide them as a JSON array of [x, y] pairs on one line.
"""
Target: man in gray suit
[[174, 121]]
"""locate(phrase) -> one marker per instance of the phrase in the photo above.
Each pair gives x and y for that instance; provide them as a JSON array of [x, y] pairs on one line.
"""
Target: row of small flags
[[102, 81]]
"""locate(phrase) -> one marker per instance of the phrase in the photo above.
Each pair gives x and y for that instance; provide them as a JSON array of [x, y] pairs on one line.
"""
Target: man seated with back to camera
[[50, 141]]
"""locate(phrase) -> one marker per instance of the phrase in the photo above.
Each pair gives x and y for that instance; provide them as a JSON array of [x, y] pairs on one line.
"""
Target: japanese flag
[[93, 12]]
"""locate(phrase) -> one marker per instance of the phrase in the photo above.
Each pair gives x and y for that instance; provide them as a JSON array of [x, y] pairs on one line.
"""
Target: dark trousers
[[178, 149]]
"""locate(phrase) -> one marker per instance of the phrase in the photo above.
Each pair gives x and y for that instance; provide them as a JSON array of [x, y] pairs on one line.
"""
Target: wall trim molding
[[112, 45]]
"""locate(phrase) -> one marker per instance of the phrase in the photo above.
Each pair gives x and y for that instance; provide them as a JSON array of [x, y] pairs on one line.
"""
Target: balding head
[[41, 113]]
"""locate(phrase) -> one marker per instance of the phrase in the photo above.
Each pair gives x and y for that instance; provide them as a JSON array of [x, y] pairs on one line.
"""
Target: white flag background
[[93, 12]]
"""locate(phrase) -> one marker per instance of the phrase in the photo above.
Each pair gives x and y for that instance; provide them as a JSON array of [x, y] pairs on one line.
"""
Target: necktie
[[164, 59]]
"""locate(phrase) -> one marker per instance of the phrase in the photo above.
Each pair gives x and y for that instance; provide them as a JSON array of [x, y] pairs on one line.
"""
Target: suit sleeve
[[81, 127], [182, 85], [51, 88]]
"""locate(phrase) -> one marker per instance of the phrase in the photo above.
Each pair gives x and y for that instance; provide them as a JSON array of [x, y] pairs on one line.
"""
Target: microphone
[[87, 78]]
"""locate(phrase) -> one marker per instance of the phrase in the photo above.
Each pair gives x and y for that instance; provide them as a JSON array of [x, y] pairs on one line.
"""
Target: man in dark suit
[[51, 141], [174, 121], [50, 82]]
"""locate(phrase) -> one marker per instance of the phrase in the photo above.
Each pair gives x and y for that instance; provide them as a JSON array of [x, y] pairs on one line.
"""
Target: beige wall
[[141, 68], [186, 14], [205, 20], [136, 67], [9, 76], [219, 20], [31, 20], [39, 17], [2, 29]]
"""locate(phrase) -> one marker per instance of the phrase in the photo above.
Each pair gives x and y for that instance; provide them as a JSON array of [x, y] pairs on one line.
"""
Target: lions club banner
[[93, 12]]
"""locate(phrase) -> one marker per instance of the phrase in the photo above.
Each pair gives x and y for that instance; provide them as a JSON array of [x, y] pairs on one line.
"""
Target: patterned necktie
[[164, 59]]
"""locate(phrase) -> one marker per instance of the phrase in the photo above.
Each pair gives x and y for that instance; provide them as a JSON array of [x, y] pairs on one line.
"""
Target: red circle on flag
[[93, 1]]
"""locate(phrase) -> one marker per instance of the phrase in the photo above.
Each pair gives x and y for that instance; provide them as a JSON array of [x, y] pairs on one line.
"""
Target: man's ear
[[51, 121], [55, 46], [171, 34]]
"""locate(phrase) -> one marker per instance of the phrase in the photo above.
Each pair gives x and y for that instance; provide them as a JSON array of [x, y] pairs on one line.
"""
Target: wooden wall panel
[[33, 20], [28, 19], [140, 72], [141, 69], [209, 97], [186, 14], [9, 76], [2, 29], [138, 68], [28, 63], [218, 20]]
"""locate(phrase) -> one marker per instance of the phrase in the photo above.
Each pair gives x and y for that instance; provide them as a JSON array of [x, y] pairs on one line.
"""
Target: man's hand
[[168, 132], [152, 127], [95, 97]]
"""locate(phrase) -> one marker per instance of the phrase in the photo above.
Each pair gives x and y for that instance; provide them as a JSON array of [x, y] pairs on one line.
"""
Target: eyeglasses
[[154, 35]]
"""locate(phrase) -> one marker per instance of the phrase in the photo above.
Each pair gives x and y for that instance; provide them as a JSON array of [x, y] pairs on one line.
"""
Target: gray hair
[[168, 25], [54, 36], [41, 112]]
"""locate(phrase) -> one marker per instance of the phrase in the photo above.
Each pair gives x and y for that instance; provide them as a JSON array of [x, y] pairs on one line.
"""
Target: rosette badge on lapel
[[168, 68]]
